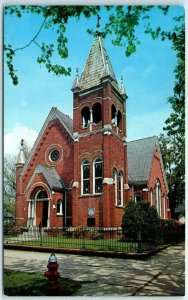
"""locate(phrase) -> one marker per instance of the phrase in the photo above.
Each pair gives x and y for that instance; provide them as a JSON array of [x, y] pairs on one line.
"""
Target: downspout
[[65, 218]]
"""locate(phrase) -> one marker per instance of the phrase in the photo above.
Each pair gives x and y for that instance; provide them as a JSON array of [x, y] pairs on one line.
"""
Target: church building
[[82, 172]]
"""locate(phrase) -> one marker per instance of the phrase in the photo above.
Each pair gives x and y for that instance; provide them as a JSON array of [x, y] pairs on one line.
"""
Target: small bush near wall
[[140, 221]]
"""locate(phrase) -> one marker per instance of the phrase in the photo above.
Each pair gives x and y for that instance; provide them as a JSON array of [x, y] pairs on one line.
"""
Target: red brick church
[[81, 172]]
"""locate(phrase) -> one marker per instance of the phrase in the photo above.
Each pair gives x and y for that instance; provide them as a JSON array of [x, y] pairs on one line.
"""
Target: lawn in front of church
[[88, 244]]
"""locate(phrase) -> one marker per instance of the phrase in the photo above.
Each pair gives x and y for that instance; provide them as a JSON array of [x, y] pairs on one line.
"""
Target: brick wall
[[156, 173], [94, 143], [54, 136]]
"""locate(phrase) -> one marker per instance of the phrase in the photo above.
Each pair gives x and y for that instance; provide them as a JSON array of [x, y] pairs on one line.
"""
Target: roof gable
[[140, 156], [66, 121], [51, 176], [53, 115]]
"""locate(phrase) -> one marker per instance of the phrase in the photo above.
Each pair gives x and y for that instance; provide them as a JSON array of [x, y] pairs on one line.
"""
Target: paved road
[[161, 275]]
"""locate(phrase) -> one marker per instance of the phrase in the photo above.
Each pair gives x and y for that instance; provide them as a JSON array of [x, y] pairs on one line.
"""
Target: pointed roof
[[98, 66], [76, 83], [140, 155], [66, 121], [21, 156], [52, 178], [54, 114], [122, 88]]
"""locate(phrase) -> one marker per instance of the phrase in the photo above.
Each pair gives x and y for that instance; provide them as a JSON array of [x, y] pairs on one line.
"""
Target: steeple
[[76, 84], [98, 67], [122, 88], [21, 156]]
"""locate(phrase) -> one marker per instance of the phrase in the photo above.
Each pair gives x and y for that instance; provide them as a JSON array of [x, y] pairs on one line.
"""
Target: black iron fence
[[98, 239]]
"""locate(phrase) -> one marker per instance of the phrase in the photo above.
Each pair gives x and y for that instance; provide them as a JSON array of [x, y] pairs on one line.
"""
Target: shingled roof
[[54, 114], [52, 178], [98, 66], [140, 155], [66, 121], [50, 174]]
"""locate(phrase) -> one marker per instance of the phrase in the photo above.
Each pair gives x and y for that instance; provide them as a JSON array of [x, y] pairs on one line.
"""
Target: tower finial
[[77, 70], [98, 21], [21, 156], [76, 84], [121, 88]]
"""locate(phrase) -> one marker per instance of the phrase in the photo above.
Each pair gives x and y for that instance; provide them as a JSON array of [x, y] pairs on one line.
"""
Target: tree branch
[[33, 40]]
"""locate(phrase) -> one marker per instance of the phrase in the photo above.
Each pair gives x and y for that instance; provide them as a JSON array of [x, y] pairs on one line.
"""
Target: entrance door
[[41, 213], [45, 214], [38, 213]]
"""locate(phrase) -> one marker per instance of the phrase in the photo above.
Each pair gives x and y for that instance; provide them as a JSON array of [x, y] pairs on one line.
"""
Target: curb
[[86, 252]]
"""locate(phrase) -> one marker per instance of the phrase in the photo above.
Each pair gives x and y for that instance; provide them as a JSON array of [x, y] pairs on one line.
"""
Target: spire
[[98, 23], [76, 84], [98, 66], [21, 156], [122, 88]]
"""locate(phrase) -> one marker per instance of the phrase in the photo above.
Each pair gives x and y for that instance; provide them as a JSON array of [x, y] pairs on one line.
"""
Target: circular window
[[54, 155]]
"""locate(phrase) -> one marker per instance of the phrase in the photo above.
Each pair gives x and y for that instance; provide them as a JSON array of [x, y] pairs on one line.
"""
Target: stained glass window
[[98, 178], [120, 189], [85, 177]]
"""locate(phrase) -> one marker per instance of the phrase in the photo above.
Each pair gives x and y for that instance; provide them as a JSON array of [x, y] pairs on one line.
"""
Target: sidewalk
[[160, 275]]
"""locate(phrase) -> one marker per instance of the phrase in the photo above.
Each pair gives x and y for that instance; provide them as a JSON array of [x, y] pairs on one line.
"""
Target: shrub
[[7, 228], [140, 221]]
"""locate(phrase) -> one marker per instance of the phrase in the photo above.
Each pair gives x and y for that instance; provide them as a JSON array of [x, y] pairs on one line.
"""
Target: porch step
[[34, 232]]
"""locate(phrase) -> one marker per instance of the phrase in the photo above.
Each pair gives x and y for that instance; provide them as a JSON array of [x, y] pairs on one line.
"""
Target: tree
[[121, 22], [9, 183], [173, 142], [140, 220]]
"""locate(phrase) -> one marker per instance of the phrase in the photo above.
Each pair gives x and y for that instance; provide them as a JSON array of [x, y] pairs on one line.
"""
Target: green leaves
[[46, 55], [140, 218], [122, 23], [173, 144], [9, 58]]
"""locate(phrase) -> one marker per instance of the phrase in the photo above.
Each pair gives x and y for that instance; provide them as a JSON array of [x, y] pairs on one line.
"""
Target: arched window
[[151, 197], [113, 115], [85, 116], [85, 174], [138, 197], [164, 206], [41, 194], [119, 120], [158, 197], [97, 175], [97, 114], [120, 189], [60, 207], [115, 185]]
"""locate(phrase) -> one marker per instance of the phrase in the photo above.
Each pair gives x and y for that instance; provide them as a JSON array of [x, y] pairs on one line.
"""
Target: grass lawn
[[18, 283], [79, 243]]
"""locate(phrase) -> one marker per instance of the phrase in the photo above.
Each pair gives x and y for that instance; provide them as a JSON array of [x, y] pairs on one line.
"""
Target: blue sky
[[148, 77]]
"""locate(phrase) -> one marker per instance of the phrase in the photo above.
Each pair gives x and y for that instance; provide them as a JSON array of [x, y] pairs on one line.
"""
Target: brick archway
[[39, 208]]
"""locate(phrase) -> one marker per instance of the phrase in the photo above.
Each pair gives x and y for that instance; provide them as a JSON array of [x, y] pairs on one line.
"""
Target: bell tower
[[100, 152]]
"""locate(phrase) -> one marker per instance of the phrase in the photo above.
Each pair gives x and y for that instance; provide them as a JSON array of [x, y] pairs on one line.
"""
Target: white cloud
[[12, 139]]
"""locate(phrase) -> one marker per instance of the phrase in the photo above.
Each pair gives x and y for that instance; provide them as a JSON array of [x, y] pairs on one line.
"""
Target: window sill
[[89, 195], [120, 206], [59, 215]]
